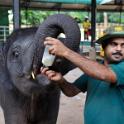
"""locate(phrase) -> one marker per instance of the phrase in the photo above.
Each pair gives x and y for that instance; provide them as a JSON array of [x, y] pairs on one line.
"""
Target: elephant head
[[24, 50]]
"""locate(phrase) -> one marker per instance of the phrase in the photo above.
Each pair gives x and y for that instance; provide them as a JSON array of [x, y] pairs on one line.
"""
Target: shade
[[102, 5], [73, 1]]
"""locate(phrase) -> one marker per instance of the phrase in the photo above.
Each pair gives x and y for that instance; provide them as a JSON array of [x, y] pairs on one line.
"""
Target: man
[[87, 27], [103, 82]]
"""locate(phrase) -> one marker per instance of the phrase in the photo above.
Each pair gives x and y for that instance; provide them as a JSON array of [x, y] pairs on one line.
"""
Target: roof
[[88, 2], [59, 5]]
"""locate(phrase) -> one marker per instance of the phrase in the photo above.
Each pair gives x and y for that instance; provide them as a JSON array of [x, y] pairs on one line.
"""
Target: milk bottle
[[48, 58]]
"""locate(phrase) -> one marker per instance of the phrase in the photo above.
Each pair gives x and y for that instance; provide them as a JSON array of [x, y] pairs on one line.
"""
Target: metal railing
[[4, 33]]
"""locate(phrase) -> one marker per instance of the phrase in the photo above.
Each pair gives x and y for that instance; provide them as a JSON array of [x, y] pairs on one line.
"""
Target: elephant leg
[[52, 109], [13, 113], [12, 108], [14, 117]]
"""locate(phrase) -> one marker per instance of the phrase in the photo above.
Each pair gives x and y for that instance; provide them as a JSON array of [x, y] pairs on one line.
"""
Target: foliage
[[99, 17], [118, 19], [4, 16], [35, 17], [30, 17]]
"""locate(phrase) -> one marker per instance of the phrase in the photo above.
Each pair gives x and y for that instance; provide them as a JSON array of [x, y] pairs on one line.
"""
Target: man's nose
[[118, 48]]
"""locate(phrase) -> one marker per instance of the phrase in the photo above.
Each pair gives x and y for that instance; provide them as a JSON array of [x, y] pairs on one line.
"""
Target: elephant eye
[[15, 54]]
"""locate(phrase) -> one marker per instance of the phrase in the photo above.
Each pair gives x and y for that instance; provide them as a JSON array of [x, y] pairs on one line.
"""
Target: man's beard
[[112, 60]]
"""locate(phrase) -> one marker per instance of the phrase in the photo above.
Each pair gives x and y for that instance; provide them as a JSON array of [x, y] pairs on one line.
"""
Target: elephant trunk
[[52, 27]]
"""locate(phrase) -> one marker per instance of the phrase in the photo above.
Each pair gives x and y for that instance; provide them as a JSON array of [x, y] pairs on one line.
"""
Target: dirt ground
[[71, 109]]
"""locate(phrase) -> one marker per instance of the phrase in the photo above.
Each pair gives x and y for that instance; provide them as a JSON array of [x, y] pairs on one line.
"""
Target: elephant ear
[[52, 27], [4, 77], [17, 35], [2, 56]]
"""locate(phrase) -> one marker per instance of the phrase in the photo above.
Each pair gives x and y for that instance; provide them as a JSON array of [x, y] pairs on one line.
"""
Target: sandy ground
[[71, 109], [1, 117]]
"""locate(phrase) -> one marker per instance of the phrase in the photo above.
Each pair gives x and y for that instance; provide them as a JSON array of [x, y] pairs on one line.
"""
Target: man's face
[[114, 51]]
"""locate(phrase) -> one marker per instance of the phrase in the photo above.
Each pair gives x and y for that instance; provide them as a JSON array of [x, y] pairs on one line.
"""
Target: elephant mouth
[[39, 78], [30, 76], [35, 72]]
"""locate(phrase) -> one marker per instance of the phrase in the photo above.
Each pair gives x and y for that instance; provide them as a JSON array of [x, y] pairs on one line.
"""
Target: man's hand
[[67, 88], [57, 47], [52, 75]]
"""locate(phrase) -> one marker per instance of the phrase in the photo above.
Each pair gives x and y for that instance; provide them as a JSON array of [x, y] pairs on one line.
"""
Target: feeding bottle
[[48, 58]]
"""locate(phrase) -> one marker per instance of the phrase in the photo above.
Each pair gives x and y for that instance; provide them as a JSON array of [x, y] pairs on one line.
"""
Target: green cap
[[111, 32]]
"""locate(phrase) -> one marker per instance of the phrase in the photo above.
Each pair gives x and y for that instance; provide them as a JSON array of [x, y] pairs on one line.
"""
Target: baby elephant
[[26, 96]]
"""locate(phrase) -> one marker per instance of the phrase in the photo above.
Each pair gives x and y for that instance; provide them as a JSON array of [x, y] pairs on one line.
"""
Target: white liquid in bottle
[[47, 59]]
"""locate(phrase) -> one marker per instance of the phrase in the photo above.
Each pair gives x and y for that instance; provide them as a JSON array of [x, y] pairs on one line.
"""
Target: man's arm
[[68, 88], [91, 68]]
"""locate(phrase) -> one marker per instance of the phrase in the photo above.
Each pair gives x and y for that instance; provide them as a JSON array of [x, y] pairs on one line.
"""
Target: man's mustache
[[117, 53]]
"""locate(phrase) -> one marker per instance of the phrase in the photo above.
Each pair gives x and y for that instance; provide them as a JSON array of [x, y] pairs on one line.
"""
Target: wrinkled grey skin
[[26, 100]]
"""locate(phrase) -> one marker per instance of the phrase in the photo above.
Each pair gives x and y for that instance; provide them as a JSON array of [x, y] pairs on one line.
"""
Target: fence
[[4, 33], [100, 28]]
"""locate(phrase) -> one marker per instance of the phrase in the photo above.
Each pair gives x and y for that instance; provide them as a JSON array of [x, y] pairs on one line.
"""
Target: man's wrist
[[67, 53], [62, 81]]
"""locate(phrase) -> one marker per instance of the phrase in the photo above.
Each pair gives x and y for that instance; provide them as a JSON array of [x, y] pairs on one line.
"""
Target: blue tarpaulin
[[73, 1]]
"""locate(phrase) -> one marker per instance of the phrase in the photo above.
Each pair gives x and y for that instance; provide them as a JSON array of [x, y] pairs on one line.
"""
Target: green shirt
[[104, 101]]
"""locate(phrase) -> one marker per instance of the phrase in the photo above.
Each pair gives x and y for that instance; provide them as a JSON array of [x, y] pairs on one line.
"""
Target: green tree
[[100, 17], [34, 17]]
